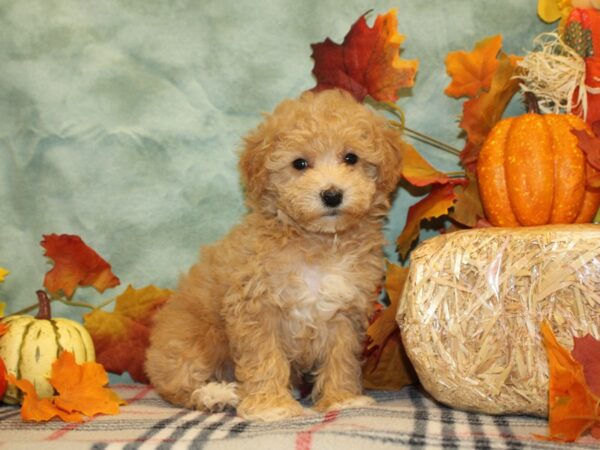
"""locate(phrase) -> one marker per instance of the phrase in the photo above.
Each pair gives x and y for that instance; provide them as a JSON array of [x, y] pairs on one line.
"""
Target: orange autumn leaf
[[122, 336], [473, 71], [495, 88], [417, 171], [37, 409], [82, 387], [367, 62], [387, 366], [481, 113], [75, 264], [436, 204], [573, 408]]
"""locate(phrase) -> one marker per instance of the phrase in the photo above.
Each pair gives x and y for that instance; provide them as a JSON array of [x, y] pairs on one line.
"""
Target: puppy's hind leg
[[185, 362]]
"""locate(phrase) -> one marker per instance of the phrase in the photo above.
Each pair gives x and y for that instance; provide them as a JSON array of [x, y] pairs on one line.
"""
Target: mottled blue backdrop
[[120, 119]]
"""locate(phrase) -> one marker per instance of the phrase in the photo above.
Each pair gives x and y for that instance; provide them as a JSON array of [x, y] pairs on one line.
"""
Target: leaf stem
[[459, 174], [431, 141], [401, 124], [105, 303], [78, 304], [26, 309], [65, 302]]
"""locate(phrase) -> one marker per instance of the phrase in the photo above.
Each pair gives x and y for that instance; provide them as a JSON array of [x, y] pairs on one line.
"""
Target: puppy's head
[[324, 160]]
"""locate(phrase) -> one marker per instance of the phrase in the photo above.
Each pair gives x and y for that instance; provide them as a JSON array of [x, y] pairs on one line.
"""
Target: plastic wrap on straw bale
[[472, 307]]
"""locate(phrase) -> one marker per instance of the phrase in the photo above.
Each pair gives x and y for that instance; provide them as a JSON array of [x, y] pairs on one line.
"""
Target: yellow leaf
[[121, 336], [3, 273]]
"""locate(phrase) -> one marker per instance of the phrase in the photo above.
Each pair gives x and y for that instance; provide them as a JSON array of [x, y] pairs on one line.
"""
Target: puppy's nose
[[332, 197]]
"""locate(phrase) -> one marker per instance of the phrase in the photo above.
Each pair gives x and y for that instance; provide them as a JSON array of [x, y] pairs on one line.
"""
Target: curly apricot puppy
[[289, 290]]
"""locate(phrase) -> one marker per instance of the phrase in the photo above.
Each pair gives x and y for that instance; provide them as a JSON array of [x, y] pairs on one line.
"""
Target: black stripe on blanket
[[448, 429], [180, 430], [420, 417], [512, 442], [155, 429], [479, 440]]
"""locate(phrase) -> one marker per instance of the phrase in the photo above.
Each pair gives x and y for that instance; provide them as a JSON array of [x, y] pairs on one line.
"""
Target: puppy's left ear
[[391, 167]]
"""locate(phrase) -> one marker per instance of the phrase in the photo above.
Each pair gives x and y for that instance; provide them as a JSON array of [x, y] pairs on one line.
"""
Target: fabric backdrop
[[120, 119]]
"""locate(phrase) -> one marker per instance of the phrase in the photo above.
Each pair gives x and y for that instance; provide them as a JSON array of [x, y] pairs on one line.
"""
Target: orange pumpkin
[[532, 172]]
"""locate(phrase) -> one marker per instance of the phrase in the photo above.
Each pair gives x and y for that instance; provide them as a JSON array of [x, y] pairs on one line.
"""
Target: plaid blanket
[[405, 418]]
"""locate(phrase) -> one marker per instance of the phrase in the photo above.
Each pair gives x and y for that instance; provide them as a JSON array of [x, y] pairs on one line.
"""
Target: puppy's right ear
[[255, 176]]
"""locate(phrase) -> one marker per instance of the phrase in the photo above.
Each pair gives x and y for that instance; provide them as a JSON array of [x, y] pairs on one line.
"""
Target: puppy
[[287, 292]]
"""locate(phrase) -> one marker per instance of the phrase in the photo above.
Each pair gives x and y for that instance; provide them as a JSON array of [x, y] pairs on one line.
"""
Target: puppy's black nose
[[332, 197]]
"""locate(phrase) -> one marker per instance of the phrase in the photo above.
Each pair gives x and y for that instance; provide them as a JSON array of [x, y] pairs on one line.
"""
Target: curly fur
[[288, 291]]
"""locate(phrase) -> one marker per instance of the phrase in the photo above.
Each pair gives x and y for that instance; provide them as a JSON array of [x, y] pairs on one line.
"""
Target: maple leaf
[[482, 112], [586, 351], [81, 391], [387, 366], [367, 62], [589, 143], [417, 171], [121, 337], [467, 209], [435, 204], [473, 71], [75, 264], [81, 388], [573, 407], [37, 409]]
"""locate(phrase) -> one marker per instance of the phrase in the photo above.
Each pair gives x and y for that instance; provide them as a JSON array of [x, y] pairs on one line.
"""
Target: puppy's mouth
[[333, 213]]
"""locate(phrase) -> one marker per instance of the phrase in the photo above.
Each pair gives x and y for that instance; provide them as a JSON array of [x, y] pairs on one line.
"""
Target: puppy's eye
[[350, 159], [300, 164]]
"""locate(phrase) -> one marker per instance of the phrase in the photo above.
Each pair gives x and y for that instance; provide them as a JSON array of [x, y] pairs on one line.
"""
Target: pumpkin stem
[[44, 312], [532, 103]]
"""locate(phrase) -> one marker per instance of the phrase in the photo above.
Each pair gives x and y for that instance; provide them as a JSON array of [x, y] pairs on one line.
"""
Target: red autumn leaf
[[436, 204], [586, 351], [75, 264], [573, 407], [417, 171], [121, 337], [590, 145], [473, 71], [367, 62], [386, 364], [467, 209]]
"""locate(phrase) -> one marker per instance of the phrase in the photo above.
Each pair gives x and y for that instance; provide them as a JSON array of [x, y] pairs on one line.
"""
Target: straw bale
[[473, 303]]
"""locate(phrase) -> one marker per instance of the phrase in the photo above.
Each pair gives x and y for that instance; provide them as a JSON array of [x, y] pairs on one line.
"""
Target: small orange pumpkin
[[531, 171]]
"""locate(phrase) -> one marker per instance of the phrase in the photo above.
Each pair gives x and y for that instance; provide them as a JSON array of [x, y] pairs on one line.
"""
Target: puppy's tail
[[215, 396]]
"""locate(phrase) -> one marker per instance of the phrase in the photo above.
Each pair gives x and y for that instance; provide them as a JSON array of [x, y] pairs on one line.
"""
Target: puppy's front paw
[[341, 401], [214, 397], [254, 408]]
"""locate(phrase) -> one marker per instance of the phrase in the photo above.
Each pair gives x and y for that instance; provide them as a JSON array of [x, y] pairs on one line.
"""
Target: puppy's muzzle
[[332, 198]]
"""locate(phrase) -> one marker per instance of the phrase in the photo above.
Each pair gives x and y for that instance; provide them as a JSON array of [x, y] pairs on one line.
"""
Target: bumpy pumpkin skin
[[531, 172], [31, 346]]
